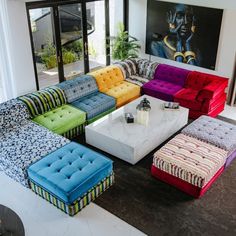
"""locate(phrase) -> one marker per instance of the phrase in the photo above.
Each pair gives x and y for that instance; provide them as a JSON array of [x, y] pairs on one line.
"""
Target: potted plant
[[123, 45]]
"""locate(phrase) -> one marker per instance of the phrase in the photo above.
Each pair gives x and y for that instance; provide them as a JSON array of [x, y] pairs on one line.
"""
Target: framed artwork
[[184, 33]]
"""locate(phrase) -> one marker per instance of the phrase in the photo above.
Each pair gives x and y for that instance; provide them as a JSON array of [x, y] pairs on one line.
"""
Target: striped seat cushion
[[190, 159], [44, 100]]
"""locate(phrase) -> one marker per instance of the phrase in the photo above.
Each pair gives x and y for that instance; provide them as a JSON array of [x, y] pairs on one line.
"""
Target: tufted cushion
[[124, 92], [189, 159], [44, 100], [128, 67], [108, 77], [214, 131], [95, 104], [171, 74], [61, 119], [70, 172], [161, 89], [146, 68], [78, 87], [135, 79], [12, 112], [23, 145]]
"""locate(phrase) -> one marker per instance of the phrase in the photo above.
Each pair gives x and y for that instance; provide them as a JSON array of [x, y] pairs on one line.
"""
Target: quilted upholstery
[[78, 87], [214, 131], [209, 90], [24, 144], [61, 119], [168, 80], [95, 104], [161, 89], [124, 92], [108, 77], [71, 171], [44, 100], [110, 81], [189, 159], [12, 112], [171, 74]]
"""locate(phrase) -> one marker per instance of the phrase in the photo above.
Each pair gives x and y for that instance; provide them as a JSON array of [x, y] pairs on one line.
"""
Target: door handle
[[86, 48]]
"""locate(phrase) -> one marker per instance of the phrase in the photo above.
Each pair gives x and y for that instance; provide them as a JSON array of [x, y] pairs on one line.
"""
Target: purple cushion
[[171, 74], [161, 89], [230, 158]]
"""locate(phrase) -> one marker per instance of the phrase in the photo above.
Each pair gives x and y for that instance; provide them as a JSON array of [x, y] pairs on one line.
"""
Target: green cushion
[[61, 119]]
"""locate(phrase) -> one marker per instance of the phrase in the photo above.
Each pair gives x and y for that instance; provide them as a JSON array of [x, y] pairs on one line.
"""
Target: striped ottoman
[[189, 164], [71, 177]]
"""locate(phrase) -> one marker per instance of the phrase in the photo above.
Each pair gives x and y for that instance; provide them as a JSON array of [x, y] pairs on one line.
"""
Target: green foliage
[[49, 57], [123, 45], [76, 47]]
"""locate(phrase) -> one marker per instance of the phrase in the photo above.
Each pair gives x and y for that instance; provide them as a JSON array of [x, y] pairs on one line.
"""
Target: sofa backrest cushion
[[78, 87], [146, 68], [171, 74], [198, 80], [108, 77], [12, 112], [44, 100], [128, 67]]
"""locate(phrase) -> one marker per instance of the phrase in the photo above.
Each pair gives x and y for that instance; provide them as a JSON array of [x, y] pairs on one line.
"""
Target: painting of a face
[[184, 33]]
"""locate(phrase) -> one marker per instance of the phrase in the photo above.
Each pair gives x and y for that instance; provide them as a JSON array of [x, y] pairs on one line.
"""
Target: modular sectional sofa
[[110, 80], [82, 93], [194, 159], [203, 94]]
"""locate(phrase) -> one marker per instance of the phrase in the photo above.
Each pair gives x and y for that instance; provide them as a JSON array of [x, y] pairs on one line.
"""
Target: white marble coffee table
[[131, 142]]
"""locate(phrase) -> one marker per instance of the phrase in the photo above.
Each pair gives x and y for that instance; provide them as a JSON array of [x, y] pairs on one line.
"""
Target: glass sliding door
[[96, 34], [71, 37], [44, 46]]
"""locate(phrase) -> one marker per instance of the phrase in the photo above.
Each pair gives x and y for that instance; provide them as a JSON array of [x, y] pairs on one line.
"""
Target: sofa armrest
[[212, 90]]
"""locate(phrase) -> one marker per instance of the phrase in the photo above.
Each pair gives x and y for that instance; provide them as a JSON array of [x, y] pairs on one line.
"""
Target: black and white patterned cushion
[[23, 145]]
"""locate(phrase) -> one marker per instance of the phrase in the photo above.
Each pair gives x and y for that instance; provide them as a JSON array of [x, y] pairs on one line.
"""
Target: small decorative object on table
[[143, 109], [129, 117], [171, 106]]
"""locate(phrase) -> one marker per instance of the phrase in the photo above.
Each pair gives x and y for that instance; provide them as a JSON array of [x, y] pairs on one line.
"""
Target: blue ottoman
[[71, 177]]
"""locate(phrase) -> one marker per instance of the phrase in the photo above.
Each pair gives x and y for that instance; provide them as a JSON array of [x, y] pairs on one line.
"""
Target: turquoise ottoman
[[71, 177]]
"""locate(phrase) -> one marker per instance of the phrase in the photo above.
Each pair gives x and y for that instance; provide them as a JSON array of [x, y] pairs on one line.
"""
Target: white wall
[[227, 44], [23, 71]]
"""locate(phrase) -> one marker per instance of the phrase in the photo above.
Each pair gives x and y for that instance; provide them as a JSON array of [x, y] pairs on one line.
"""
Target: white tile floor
[[229, 112], [40, 218]]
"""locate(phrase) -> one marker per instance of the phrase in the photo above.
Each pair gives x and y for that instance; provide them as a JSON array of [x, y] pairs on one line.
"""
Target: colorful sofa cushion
[[61, 119], [44, 100], [189, 159], [70, 172], [214, 131], [204, 94], [79, 87], [110, 81], [168, 80], [108, 77], [161, 89], [137, 71], [95, 104], [23, 145], [12, 112]]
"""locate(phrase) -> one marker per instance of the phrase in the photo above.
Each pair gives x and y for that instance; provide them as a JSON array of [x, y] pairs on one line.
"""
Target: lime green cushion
[[61, 119]]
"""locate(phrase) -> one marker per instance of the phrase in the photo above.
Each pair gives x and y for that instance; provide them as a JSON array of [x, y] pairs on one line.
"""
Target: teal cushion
[[61, 119], [70, 172]]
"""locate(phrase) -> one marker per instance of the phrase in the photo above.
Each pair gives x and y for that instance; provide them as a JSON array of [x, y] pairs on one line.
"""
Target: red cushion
[[183, 185], [187, 98]]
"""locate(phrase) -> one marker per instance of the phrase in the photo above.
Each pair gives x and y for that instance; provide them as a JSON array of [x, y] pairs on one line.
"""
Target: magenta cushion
[[161, 89]]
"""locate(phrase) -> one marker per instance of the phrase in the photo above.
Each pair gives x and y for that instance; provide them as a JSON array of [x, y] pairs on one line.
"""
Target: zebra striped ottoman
[[189, 164], [71, 177]]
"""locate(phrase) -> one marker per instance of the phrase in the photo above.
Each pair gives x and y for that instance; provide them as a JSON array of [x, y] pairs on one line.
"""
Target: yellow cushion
[[124, 92], [107, 77]]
